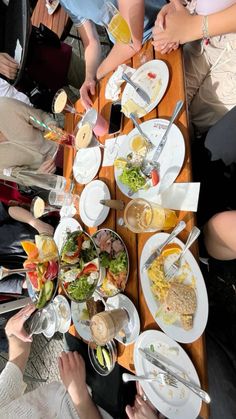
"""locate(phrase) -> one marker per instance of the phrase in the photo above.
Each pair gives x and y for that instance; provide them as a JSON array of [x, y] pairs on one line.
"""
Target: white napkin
[[112, 146], [67, 211], [18, 52], [179, 196], [115, 81]]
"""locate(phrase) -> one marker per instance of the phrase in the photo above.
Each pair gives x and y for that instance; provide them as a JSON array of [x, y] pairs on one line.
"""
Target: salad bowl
[[114, 262], [79, 266]]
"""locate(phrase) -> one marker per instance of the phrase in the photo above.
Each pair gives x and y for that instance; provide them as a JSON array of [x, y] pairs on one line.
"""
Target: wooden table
[[58, 22], [135, 243]]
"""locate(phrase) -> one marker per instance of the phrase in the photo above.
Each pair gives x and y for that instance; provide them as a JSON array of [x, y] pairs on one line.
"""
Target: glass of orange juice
[[142, 216], [115, 24]]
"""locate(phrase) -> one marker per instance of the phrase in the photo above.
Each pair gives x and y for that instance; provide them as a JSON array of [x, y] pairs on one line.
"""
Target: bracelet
[[205, 32]]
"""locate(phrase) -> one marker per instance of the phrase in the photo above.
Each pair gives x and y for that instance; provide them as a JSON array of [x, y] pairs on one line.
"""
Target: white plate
[[133, 329], [93, 213], [140, 77], [61, 305], [173, 403], [66, 225], [52, 7], [86, 164], [175, 331], [78, 314], [171, 158]]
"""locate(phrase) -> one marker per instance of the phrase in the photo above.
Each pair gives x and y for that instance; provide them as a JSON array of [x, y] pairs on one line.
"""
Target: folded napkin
[[179, 196], [115, 81], [112, 146]]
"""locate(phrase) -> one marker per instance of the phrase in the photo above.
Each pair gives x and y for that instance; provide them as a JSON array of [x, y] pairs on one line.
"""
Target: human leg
[[217, 91], [220, 236]]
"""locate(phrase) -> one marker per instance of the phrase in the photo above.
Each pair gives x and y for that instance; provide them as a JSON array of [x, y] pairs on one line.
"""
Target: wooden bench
[[59, 22]]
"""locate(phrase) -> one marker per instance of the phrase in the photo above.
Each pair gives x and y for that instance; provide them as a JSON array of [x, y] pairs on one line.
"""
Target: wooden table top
[[135, 243], [57, 22]]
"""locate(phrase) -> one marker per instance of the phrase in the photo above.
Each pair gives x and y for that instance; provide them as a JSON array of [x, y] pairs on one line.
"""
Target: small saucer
[[132, 330], [63, 313]]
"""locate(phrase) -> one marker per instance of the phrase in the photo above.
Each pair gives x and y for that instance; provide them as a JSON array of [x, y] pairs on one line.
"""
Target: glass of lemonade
[[115, 24], [107, 324], [142, 216]]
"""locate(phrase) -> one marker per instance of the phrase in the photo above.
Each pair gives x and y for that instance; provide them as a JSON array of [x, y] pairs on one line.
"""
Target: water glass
[[60, 198]]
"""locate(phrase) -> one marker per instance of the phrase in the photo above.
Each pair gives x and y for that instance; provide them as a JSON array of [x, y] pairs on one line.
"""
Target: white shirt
[[6, 90], [50, 401]]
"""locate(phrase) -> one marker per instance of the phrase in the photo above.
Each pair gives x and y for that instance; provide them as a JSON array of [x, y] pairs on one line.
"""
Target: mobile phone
[[116, 117]]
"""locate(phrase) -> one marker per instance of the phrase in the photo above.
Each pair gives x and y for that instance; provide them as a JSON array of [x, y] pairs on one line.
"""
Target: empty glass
[[60, 198], [60, 103]]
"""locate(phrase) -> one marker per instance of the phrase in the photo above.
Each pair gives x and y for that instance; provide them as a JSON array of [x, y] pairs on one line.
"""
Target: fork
[[141, 132], [174, 268], [161, 378]]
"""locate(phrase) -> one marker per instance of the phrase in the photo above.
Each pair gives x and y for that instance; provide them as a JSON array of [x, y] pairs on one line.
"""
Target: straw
[[42, 124]]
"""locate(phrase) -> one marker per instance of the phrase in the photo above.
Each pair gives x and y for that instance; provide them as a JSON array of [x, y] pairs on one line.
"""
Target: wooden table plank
[[56, 22]]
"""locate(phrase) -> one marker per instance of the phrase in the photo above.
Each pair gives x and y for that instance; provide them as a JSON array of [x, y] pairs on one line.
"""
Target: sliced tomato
[[66, 285], [91, 267], [34, 279], [52, 270], [29, 265], [152, 75], [155, 177]]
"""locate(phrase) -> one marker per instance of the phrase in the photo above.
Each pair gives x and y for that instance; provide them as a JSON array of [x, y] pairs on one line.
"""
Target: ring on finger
[[144, 397]]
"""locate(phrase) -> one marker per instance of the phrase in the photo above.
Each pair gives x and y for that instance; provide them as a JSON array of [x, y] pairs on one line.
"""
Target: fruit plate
[[43, 259], [79, 266], [190, 275]]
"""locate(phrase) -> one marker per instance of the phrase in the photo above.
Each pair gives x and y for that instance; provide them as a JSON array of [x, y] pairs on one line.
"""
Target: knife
[[161, 145], [154, 360], [116, 204], [180, 226], [141, 92]]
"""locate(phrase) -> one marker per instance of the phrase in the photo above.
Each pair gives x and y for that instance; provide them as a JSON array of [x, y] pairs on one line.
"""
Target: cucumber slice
[[99, 356], [48, 289], [42, 299], [107, 358]]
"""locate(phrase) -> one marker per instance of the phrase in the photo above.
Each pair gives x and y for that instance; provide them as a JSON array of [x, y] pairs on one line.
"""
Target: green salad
[[132, 177], [80, 288]]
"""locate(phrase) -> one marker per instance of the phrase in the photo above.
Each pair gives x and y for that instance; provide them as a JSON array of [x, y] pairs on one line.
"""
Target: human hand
[[42, 227], [73, 374], [15, 325], [141, 410], [88, 87], [174, 27], [48, 166], [8, 66]]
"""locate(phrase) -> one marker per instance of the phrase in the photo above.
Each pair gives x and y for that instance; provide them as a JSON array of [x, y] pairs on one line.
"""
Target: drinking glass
[[60, 103], [141, 216], [38, 207], [107, 324], [60, 198], [115, 24]]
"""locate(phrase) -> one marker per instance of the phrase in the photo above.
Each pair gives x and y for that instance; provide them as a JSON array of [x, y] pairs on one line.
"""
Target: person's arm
[[133, 13], [92, 55], [21, 214], [72, 372], [19, 341], [220, 236], [181, 26]]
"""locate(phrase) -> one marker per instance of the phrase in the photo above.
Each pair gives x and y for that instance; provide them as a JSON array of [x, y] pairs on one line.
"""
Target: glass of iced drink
[[141, 216], [107, 324]]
